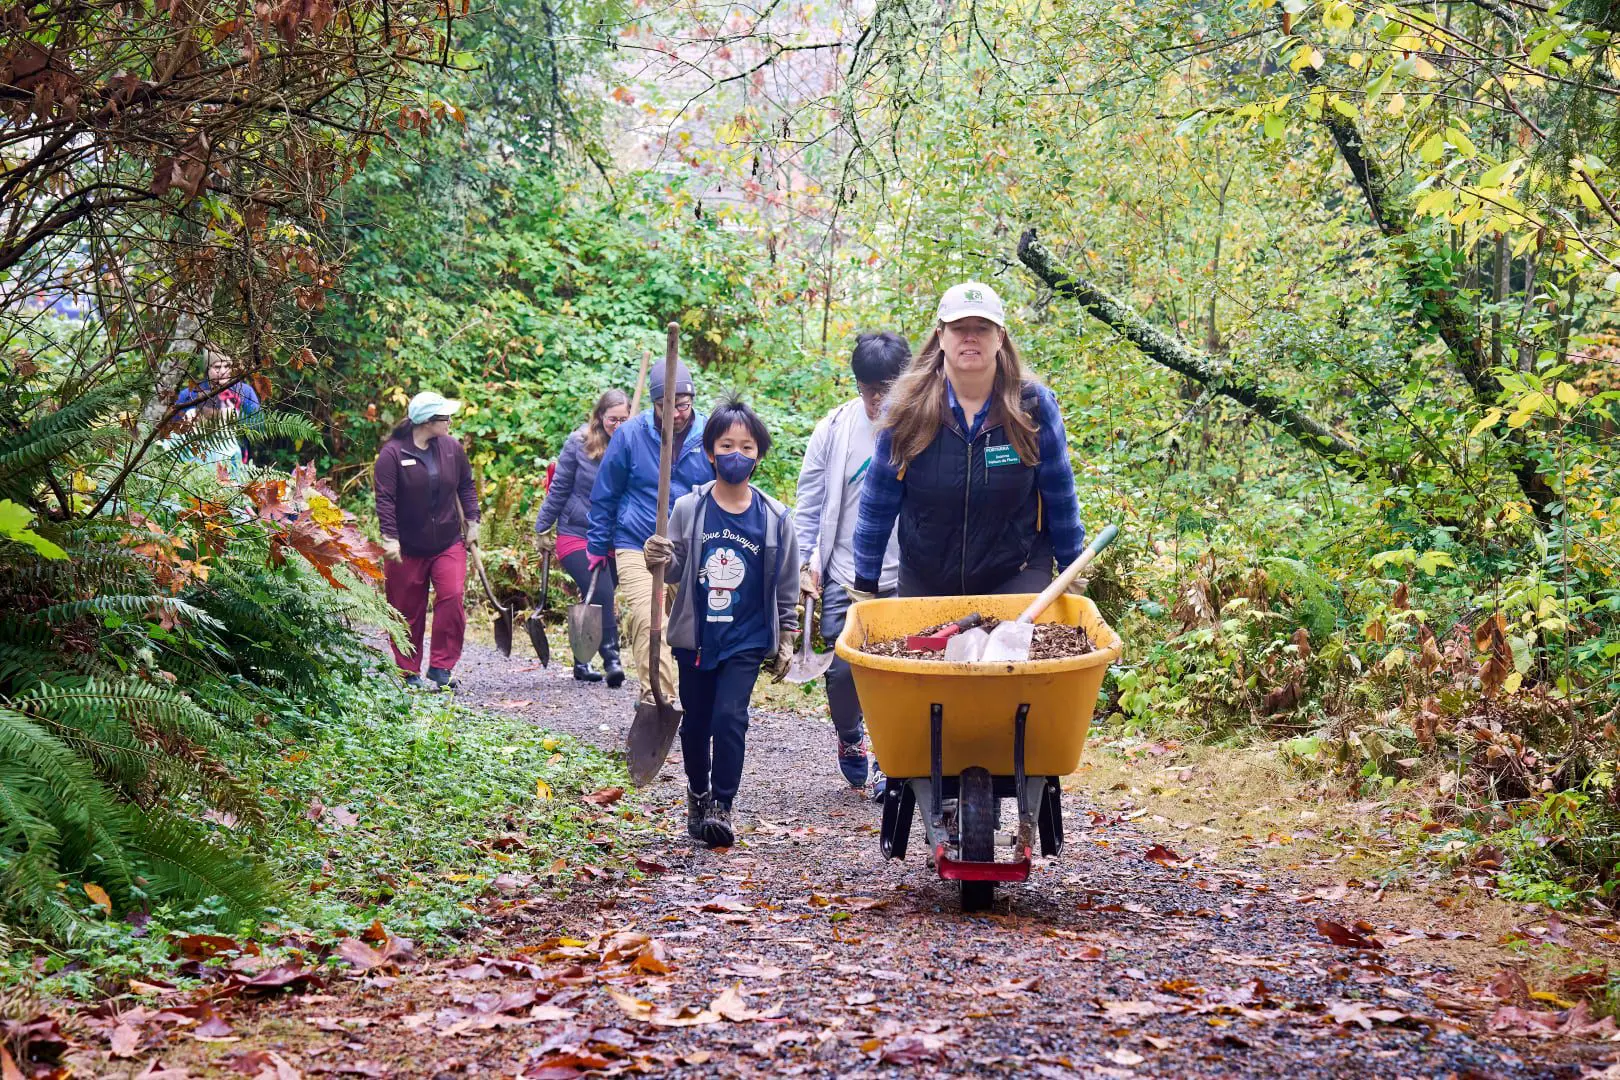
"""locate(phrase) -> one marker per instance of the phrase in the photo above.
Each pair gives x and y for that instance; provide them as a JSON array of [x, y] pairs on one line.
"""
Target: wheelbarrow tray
[[979, 698]]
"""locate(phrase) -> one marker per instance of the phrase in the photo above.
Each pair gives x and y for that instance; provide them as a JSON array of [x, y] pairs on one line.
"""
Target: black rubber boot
[[583, 673], [611, 666], [717, 826], [696, 807]]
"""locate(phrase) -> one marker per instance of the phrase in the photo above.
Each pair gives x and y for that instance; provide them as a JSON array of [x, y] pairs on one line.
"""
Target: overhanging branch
[[1160, 347]]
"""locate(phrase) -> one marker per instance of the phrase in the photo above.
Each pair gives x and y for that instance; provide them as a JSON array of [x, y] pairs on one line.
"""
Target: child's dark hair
[[879, 357], [728, 412]]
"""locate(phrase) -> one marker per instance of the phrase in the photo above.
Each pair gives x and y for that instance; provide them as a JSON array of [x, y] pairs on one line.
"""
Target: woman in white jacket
[[828, 502]]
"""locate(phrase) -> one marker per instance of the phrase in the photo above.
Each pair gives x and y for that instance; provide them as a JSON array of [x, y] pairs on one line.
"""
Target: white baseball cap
[[969, 300], [426, 405]]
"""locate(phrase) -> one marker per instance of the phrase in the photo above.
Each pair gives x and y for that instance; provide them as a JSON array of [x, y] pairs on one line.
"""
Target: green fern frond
[[184, 859], [132, 607]]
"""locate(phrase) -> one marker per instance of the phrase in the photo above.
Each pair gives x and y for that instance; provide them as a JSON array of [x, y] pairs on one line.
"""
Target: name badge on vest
[[1000, 455]]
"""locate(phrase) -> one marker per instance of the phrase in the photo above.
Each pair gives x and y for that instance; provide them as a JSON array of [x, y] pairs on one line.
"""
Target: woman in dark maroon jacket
[[428, 510]]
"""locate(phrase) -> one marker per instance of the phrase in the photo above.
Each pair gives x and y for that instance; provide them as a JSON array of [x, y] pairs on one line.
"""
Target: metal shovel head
[[536, 627], [1009, 641], [652, 733], [808, 666], [584, 630], [503, 631]]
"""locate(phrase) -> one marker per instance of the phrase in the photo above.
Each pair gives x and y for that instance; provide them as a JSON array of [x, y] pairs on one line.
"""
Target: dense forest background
[[1327, 291]]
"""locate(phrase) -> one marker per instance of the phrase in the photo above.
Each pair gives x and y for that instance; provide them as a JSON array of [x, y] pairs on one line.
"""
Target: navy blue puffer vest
[[970, 518]]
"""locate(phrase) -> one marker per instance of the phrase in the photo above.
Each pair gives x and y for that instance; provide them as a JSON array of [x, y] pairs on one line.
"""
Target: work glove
[[595, 562], [390, 548], [789, 641], [470, 534], [857, 595], [545, 542], [1077, 587], [809, 580], [657, 551]]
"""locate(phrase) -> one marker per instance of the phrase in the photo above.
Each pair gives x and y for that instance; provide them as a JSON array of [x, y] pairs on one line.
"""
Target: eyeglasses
[[440, 419], [613, 421], [680, 406]]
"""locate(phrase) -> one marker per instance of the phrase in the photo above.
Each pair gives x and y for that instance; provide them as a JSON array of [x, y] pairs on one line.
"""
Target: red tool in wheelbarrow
[[958, 737]]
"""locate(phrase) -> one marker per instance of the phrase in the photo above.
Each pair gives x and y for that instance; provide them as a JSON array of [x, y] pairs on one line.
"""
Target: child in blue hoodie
[[732, 554]]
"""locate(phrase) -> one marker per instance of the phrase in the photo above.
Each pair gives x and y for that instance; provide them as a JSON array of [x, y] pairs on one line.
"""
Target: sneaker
[[880, 784], [414, 681], [443, 678], [852, 762], [717, 826], [697, 806]]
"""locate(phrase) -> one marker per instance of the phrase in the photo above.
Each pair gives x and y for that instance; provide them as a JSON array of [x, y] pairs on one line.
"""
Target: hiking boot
[[696, 807], [611, 667], [852, 761], [583, 673], [443, 678], [414, 681], [717, 826]]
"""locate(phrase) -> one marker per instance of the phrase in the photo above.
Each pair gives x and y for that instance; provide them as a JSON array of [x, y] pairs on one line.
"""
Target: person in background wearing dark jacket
[[624, 503], [222, 394], [732, 550], [973, 461], [568, 507], [425, 493]]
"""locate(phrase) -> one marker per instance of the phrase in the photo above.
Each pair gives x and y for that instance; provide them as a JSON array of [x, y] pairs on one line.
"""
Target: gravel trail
[[1105, 964]]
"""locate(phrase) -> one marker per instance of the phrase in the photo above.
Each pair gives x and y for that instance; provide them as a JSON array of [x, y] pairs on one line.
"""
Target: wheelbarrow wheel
[[976, 814]]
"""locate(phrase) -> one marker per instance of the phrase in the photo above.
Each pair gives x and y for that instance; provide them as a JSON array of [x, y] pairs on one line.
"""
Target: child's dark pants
[[716, 704]]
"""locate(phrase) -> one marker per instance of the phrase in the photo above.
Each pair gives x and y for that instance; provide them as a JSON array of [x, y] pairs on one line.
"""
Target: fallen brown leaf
[[1343, 936]]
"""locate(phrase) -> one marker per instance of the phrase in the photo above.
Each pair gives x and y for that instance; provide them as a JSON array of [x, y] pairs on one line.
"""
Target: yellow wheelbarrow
[[958, 738]]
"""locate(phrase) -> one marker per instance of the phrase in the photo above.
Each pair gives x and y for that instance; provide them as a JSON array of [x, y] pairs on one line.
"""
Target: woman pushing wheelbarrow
[[972, 460]]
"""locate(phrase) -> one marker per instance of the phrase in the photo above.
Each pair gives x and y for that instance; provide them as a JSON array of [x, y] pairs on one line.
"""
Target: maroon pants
[[407, 587]]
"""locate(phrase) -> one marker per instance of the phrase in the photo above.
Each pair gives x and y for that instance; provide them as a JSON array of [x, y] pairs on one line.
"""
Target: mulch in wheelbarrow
[[1053, 641]]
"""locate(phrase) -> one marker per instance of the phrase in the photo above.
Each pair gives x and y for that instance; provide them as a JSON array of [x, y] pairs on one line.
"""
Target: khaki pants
[[635, 592]]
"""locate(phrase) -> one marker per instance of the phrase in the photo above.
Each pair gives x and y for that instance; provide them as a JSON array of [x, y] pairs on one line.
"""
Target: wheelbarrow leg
[[899, 804]]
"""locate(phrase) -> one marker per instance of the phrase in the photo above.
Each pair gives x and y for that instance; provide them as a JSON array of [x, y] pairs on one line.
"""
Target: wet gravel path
[[1104, 964]]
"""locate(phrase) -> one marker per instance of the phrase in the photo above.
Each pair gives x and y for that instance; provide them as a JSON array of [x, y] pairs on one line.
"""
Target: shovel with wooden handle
[[535, 624], [585, 624], [1010, 641], [652, 732], [503, 615], [808, 665]]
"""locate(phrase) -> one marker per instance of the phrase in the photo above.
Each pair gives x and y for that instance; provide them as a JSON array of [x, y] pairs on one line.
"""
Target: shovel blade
[[503, 633], [537, 637], [1009, 641], [652, 733], [808, 668], [584, 630]]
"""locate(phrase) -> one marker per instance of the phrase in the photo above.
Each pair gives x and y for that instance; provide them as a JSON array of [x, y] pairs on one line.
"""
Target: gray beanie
[[683, 380]]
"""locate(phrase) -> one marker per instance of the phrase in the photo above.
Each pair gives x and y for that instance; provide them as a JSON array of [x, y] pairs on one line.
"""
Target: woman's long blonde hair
[[917, 406], [596, 435]]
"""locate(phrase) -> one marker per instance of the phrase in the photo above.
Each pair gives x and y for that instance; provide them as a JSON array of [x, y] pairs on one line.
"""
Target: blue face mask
[[734, 467]]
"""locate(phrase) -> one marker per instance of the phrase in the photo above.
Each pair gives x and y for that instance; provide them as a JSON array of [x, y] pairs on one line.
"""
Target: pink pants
[[407, 583]]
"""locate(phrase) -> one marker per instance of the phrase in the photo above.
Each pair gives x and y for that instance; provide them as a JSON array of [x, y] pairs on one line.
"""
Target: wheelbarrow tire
[[976, 814]]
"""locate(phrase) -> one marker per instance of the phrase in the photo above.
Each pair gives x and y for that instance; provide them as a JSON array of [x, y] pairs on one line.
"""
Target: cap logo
[[974, 296]]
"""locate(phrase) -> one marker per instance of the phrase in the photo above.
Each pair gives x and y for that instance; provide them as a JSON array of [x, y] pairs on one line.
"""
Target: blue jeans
[[842, 701], [716, 704]]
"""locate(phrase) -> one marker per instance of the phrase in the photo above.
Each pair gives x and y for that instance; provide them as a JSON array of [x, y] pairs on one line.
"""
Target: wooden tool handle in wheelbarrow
[[1061, 583], [665, 461]]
